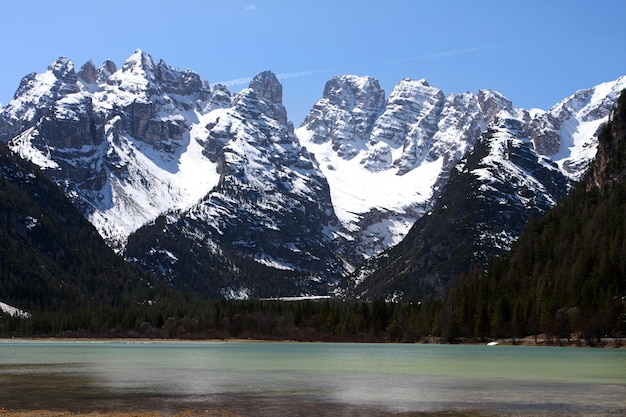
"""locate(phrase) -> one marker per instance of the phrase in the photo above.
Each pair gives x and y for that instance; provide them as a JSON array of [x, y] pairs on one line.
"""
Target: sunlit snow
[[356, 190], [389, 156], [22, 146]]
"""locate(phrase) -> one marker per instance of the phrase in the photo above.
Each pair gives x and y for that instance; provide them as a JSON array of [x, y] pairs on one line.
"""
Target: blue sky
[[534, 52]]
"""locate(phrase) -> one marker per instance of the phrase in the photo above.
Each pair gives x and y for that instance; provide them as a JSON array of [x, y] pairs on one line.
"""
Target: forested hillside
[[52, 260], [566, 275]]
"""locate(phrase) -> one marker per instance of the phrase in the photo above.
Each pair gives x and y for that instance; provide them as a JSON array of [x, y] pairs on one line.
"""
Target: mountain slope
[[520, 168], [565, 276], [271, 206], [51, 257], [489, 198], [118, 142]]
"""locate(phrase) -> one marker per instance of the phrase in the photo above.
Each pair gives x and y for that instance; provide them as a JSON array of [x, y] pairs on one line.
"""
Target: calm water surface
[[311, 378]]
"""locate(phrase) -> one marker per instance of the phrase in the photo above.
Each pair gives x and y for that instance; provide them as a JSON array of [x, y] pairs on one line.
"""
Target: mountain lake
[[304, 379]]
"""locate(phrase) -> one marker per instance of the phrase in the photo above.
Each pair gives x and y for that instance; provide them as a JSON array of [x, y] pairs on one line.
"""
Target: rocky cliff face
[[225, 171], [491, 194], [608, 168], [114, 140], [271, 205], [417, 136]]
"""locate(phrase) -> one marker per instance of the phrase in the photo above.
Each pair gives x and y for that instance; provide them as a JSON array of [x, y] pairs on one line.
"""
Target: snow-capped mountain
[[491, 194], [506, 178], [119, 142], [387, 160], [223, 186], [271, 204], [225, 170]]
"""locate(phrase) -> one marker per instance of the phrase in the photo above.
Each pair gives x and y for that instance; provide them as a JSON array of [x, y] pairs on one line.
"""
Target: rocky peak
[[35, 97], [346, 113], [262, 97], [63, 68], [411, 112], [107, 69], [351, 91], [266, 85], [139, 62], [137, 76], [174, 81], [220, 97], [491, 102], [88, 72]]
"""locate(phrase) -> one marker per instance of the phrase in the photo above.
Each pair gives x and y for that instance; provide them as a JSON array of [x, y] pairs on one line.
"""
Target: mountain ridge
[[148, 141]]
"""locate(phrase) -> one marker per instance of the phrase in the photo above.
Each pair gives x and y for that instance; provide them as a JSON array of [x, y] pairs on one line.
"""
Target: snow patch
[[22, 145], [13, 311]]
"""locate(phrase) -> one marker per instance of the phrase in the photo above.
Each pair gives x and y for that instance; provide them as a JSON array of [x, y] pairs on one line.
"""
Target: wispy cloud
[[250, 7], [236, 81], [282, 76], [443, 54], [299, 74]]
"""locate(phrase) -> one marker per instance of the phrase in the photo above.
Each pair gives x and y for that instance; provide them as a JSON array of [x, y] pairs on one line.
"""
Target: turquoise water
[[305, 378]]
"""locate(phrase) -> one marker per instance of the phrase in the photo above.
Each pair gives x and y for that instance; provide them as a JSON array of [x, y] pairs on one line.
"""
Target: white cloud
[[282, 76], [250, 7], [236, 81], [299, 74]]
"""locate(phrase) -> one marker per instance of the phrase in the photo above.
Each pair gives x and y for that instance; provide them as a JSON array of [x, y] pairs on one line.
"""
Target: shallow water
[[311, 378]]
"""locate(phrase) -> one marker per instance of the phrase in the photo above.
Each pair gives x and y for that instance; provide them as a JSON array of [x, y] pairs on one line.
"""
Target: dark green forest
[[51, 257], [564, 279]]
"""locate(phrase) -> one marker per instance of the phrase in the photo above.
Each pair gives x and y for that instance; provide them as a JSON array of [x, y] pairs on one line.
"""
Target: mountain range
[[372, 197]]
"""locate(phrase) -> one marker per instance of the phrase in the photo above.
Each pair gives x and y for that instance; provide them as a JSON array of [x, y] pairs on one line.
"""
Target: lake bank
[[538, 340]]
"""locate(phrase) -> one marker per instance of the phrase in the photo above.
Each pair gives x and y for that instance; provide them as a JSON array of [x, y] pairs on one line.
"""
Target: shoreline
[[306, 411], [615, 343]]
